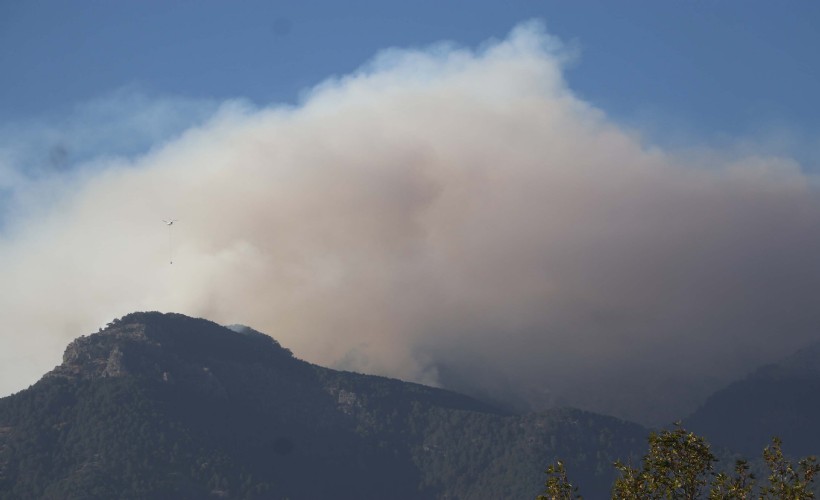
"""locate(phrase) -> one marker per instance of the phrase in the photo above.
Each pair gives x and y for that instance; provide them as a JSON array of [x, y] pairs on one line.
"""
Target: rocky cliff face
[[102, 354], [171, 348]]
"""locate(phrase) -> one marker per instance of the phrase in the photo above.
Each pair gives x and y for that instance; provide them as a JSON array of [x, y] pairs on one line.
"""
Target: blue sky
[[683, 72]]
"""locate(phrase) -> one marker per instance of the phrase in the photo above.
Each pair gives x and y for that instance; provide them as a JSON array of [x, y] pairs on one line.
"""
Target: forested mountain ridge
[[779, 399], [166, 406]]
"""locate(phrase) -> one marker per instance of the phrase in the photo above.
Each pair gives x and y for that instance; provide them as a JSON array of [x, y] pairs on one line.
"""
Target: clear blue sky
[[690, 70]]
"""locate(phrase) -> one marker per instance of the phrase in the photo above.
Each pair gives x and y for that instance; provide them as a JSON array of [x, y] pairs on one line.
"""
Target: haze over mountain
[[167, 406], [447, 215], [779, 399]]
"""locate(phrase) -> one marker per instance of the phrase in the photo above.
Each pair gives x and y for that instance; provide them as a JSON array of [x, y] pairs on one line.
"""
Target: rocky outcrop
[[102, 354], [169, 348]]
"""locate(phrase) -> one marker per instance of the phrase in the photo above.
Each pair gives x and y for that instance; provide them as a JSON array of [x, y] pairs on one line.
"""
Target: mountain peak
[[156, 345], [166, 406]]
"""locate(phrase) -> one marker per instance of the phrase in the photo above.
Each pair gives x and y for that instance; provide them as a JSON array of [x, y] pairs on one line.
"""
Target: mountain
[[166, 406], [781, 399]]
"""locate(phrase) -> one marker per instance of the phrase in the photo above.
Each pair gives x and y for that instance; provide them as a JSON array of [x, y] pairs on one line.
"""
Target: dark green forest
[[164, 406]]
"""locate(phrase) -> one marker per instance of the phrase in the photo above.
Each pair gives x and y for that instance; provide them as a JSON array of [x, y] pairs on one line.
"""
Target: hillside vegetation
[[166, 406]]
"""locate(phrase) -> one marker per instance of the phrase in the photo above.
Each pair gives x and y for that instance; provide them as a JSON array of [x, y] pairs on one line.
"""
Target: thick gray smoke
[[448, 216]]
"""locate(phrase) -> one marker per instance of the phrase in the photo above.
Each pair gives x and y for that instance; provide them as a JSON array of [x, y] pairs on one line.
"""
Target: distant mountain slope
[[166, 406], [781, 399]]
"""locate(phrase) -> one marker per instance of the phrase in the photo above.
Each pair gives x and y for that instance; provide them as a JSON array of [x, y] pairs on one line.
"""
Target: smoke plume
[[449, 216]]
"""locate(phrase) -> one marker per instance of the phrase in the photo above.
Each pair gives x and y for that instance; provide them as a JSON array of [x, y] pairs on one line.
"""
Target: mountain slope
[[780, 399], [166, 406]]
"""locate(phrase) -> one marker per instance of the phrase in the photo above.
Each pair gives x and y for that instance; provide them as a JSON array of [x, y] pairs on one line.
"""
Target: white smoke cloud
[[449, 216]]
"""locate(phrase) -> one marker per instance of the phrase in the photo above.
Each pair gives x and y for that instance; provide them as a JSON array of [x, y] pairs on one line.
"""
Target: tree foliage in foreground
[[680, 466]]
